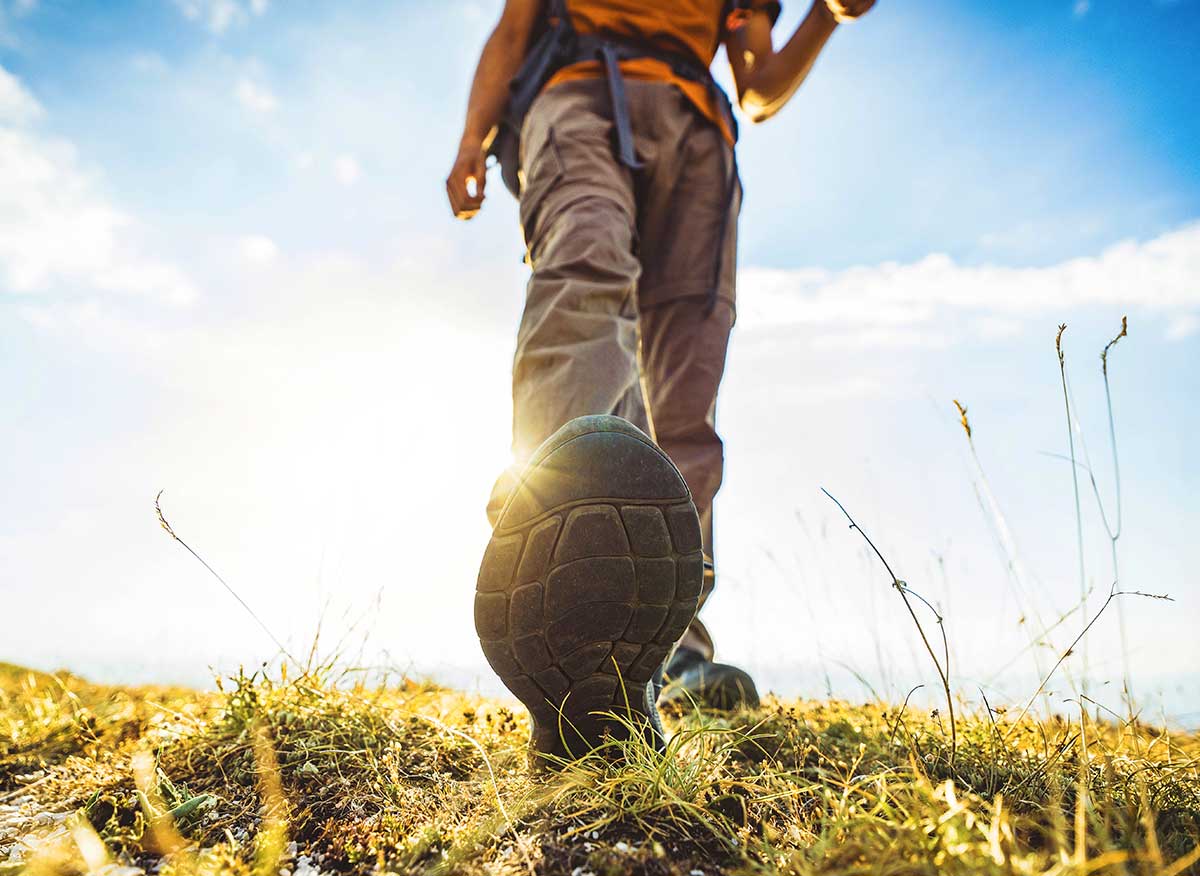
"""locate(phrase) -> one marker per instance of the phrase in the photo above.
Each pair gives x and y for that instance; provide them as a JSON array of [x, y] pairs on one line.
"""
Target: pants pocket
[[541, 170]]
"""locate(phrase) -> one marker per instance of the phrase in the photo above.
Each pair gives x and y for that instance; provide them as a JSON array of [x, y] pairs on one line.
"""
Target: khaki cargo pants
[[618, 315]]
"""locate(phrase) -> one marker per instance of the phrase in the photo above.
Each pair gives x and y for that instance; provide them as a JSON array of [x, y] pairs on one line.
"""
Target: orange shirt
[[691, 26]]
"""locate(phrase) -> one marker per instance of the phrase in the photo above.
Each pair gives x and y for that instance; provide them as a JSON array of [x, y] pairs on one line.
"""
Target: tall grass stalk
[[1083, 591], [904, 590], [1112, 526], [1115, 533], [1113, 594], [1014, 565]]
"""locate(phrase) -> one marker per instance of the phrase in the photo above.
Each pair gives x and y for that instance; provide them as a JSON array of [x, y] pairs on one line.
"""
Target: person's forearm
[[498, 63], [773, 83]]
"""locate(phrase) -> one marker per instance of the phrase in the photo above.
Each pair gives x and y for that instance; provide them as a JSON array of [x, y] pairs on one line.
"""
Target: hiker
[[609, 127]]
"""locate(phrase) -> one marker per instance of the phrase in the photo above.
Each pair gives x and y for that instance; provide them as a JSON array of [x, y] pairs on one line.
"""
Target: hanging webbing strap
[[620, 105], [610, 51]]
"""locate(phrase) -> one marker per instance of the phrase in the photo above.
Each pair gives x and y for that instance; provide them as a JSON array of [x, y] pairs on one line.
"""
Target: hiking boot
[[692, 678], [592, 574]]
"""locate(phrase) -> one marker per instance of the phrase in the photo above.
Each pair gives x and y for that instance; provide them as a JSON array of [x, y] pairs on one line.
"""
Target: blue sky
[[227, 270]]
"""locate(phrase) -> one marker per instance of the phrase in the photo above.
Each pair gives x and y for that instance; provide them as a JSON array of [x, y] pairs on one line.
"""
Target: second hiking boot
[[592, 574], [695, 681]]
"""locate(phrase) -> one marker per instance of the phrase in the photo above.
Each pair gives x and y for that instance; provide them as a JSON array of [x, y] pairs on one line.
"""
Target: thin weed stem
[[903, 589], [1112, 594], [162, 521], [1014, 565], [1083, 594], [1115, 533]]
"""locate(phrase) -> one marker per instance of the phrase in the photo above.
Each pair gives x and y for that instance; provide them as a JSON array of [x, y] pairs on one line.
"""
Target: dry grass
[[272, 774]]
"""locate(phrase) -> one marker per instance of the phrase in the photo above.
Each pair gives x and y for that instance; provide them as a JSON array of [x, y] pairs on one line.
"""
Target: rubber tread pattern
[[578, 605]]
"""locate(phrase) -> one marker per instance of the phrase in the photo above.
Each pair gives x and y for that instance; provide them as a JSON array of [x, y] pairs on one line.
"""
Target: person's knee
[[694, 440], [683, 414]]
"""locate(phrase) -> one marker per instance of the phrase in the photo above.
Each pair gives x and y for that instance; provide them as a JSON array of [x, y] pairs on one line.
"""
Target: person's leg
[[684, 353], [594, 568], [683, 350], [687, 226], [577, 341], [689, 203]]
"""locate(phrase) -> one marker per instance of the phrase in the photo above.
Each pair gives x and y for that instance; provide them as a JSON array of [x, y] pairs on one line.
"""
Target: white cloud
[[15, 9], [217, 16], [56, 231], [1159, 276], [255, 97], [996, 327], [346, 169], [1081, 8], [257, 249], [92, 322], [17, 106]]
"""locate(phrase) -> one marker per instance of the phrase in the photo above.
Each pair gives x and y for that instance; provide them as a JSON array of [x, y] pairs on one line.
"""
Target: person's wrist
[[472, 141], [824, 13]]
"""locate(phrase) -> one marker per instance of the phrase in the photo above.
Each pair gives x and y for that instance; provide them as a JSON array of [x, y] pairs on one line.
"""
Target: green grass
[[281, 774]]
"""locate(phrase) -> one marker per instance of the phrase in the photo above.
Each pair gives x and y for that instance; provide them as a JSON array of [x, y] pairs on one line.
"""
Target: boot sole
[[592, 575]]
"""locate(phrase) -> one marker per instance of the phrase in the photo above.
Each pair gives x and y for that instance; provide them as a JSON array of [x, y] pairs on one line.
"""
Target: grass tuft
[[268, 775]]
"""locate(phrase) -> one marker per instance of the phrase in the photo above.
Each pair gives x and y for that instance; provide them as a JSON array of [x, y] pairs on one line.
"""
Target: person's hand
[[848, 10], [468, 176]]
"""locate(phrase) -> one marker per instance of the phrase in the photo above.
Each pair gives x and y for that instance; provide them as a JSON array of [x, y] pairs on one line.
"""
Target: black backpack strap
[[620, 103], [611, 50], [610, 54], [559, 45]]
